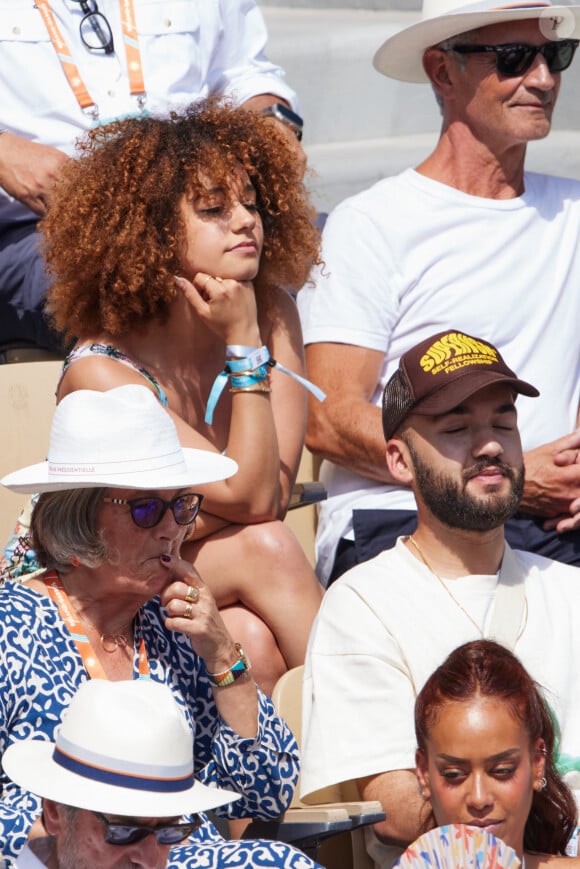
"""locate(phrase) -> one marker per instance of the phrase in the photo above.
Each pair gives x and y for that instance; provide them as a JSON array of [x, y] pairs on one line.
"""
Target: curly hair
[[113, 232], [489, 669]]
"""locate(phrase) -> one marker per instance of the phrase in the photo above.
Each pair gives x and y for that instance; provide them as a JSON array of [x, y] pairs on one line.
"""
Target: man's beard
[[451, 504], [66, 850], [68, 856]]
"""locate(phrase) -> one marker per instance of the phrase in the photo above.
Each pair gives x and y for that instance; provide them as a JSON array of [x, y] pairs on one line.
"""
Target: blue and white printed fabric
[[40, 670]]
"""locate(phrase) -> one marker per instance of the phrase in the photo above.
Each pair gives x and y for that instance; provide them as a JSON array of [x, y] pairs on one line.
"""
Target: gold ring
[[188, 611], [192, 595]]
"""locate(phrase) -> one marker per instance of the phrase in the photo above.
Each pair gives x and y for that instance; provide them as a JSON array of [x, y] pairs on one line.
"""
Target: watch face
[[286, 116]]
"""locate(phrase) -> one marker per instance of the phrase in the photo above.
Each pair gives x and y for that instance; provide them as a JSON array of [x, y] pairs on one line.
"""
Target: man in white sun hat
[[113, 788], [116, 793], [467, 238]]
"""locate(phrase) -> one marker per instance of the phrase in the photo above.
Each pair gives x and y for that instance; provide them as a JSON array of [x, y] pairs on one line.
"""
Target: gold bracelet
[[249, 373], [256, 387]]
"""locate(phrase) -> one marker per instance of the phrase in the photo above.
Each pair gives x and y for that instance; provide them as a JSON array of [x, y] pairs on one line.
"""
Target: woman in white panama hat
[[118, 496], [215, 197]]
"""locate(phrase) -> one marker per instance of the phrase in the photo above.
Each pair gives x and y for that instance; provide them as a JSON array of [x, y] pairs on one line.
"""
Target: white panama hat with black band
[[401, 56], [123, 439], [123, 748]]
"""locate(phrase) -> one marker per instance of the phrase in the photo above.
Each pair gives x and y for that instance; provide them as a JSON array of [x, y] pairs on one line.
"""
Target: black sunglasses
[[148, 512], [95, 29], [166, 834], [515, 58]]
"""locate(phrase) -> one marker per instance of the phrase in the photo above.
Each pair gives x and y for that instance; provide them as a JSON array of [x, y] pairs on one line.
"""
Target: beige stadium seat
[[330, 825], [27, 398], [307, 493]]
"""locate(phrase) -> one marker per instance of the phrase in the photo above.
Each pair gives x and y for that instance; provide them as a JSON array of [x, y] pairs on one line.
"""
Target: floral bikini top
[[119, 356]]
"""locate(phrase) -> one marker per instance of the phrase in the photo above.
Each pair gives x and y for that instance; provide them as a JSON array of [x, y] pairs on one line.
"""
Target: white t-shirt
[[382, 629], [411, 256], [189, 49]]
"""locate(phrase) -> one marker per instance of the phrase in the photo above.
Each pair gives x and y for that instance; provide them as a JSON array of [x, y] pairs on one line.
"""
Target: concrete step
[[360, 125], [327, 55], [342, 169]]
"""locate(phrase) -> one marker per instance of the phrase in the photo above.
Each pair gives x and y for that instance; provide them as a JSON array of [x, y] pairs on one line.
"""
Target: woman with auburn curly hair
[[172, 244], [486, 754]]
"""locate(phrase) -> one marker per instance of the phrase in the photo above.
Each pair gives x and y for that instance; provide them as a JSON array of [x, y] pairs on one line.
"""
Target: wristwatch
[[229, 676], [286, 116]]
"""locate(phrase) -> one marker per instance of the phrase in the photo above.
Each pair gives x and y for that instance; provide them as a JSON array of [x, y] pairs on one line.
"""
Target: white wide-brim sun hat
[[122, 438], [123, 748], [401, 56]]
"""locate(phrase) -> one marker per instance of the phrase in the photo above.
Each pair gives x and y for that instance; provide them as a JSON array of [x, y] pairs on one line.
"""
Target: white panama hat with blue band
[[123, 748]]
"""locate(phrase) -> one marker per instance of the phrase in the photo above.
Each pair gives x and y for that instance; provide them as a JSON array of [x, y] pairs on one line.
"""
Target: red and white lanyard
[[132, 53], [92, 664]]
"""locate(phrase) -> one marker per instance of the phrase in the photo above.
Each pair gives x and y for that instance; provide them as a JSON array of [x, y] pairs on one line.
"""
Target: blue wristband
[[239, 381], [254, 360], [240, 350], [239, 370]]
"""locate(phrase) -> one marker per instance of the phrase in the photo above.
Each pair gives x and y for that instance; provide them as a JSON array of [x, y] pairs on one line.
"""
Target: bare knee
[[255, 636], [274, 546]]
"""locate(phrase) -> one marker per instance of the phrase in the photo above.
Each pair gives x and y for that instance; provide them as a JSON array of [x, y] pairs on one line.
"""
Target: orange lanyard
[[132, 53], [92, 664]]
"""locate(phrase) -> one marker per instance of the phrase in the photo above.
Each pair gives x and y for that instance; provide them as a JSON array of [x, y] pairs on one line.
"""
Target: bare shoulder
[[284, 301], [99, 373], [280, 323], [280, 309]]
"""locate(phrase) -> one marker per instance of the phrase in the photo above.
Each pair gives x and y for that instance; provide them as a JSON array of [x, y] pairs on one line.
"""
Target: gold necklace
[[449, 592], [109, 642], [112, 642]]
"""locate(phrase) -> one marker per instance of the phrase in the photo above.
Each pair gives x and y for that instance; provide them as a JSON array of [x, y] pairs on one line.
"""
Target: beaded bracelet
[[247, 367]]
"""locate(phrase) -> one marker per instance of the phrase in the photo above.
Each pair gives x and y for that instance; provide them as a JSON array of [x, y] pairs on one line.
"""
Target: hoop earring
[[543, 783], [421, 792]]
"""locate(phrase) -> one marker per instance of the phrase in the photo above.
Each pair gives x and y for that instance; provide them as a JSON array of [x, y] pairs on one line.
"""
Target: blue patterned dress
[[40, 670]]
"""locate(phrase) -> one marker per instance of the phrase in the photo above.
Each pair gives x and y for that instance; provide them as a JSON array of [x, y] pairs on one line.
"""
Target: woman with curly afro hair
[[172, 244]]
